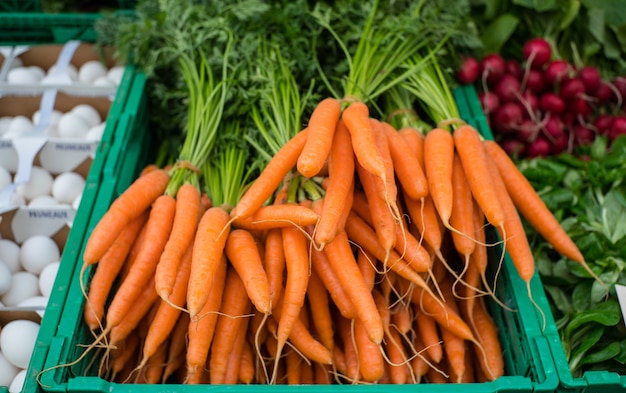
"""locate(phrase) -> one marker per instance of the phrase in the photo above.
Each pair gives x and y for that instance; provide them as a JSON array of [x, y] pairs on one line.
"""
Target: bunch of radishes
[[543, 106]]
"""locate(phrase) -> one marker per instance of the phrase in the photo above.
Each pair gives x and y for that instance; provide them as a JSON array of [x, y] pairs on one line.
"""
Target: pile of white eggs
[[83, 122], [90, 73], [27, 274]]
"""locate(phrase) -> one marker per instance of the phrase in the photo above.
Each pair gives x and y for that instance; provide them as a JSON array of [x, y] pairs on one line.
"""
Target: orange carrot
[[235, 306], [158, 229], [426, 328], [407, 166], [246, 367], [319, 141], [181, 236], [234, 356], [474, 159], [178, 347], [462, 214], [270, 178], [208, 247], [344, 265], [320, 310], [108, 268], [332, 283], [340, 186], [438, 158], [129, 205], [277, 216], [398, 358], [487, 334], [442, 313], [370, 356], [137, 312], [243, 254], [274, 263]]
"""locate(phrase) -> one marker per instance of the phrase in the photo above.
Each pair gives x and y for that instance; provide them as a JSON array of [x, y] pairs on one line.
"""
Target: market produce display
[[350, 249]]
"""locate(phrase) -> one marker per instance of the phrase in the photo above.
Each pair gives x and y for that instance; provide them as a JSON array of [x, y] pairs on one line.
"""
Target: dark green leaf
[[606, 353], [581, 299], [498, 32], [607, 313], [559, 298], [589, 339]]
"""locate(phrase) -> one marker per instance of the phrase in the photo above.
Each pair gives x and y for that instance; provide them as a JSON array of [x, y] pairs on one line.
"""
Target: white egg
[[5, 122], [5, 277], [37, 71], [40, 183], [72, 125], [16, 200], [76, 201], [17, 384], [52, 131], [88, 113], [23, 286], [7, 371], [22, 76], [35, 303], [17, 341], [67, 186], [17, 62], [10, 254], [91, 70], [43, 201], [20, 124], [47, 277], [37, 252], [53, 120], [8, 156], [116, 74], [5, 177], [69, 71], [95, 133], [104, 81]]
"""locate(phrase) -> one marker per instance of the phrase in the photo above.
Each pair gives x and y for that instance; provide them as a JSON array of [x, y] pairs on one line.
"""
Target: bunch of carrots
[[359, 253]]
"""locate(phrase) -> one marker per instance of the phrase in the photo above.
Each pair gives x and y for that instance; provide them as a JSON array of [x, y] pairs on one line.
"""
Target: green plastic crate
[[528, 364], [116, 144], [591, 381]]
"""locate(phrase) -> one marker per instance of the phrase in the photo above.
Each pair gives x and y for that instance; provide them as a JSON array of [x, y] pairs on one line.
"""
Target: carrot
[[398, 360], [158, 229], [367, 266], [123, 357], [270, 178], [322, 267], [297, 264], [340, 186], [438, 158], [353, 369], [474, 159], [388, 189], [356, 119], [277, 216], [415, 141], [532, 207], [178, 347], [319, 141], [181, 236], [234, 357], [235, 306], [201, 330], [370, 356], [344, 265], [419, 362], [462, 213], [487, 334], [453, 345], [424, 216], [108, 269], [169, 311], [129, 205], [402, 317], [321, 374], [406, 164], [306, 372], [426, 328], [243, 254], [382, 220], [153, 368], [274, 262], [292, 362], [134, 251], [137, 312], [246, 366], [442, 313], [208, 247], [320, 310]]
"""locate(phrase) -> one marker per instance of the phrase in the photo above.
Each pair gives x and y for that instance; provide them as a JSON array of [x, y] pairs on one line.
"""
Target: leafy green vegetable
[[589, 198]]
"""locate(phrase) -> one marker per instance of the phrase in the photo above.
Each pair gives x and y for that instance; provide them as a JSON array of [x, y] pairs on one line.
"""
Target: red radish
[[513, 147], [507, 117], [469, 71], [603, 123], [571, 89], [579, 106], [507, 88], [554, 128], [590, 77], [537, 52], [560, 144], [603, 93], [539, 148], [530, 101], [535, 81], [489, 101], [493, 67], [551, 103], [620, 85], [527, 131], [618, 128], [514, 68], [583, 135], [557, 71]]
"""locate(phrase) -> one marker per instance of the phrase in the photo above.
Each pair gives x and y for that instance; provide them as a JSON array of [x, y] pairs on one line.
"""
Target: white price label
[[621, 297]]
